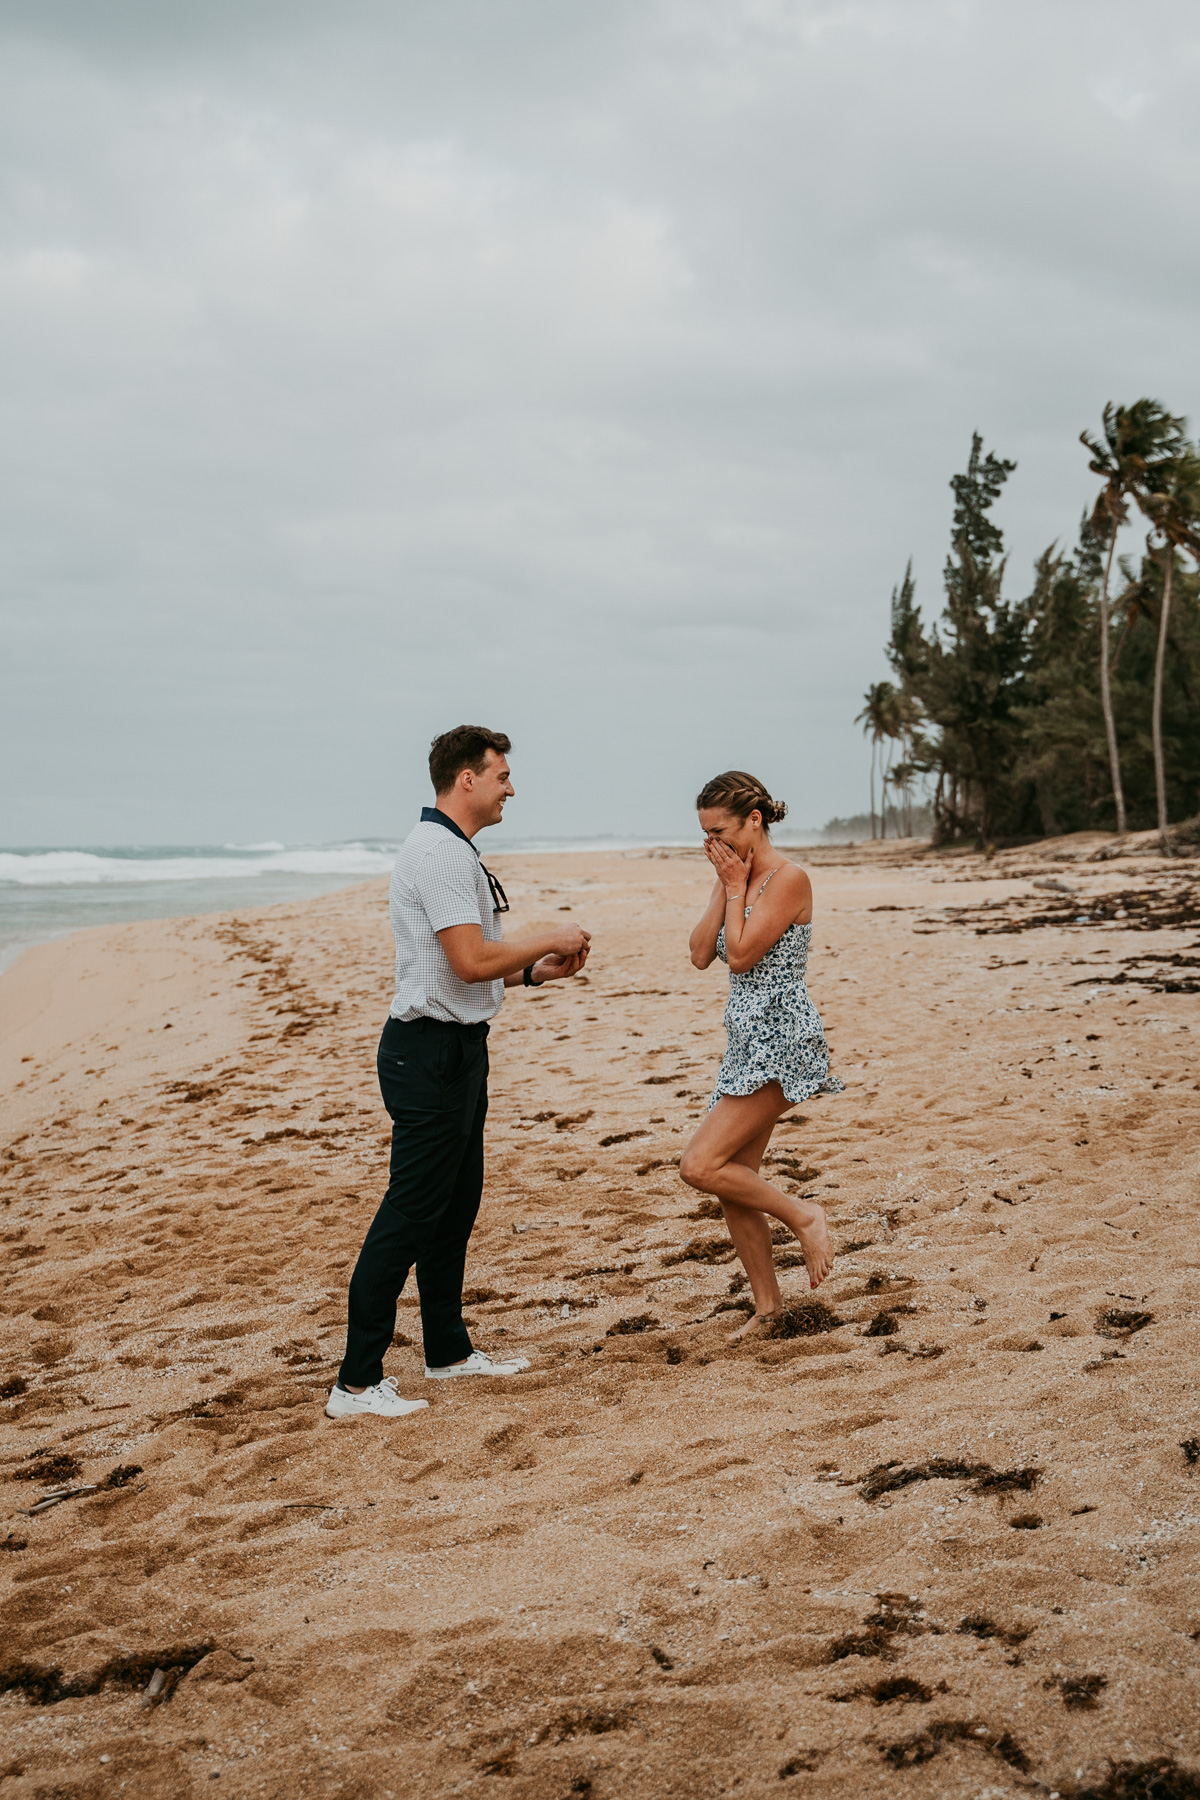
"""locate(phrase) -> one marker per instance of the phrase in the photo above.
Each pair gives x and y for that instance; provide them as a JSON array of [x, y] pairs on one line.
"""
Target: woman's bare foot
[[818, 1251], [752, 1327]]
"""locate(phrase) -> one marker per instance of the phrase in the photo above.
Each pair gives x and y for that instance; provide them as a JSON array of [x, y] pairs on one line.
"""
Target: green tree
[[1060, 710], [877, 718], [971, 684], [907, 650], [1135, 439], [1062, 750], [907, 653], [1170, 497], [1135, 653]]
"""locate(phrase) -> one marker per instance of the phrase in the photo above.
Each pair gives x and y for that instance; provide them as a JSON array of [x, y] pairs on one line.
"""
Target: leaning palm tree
[[892, 718], [1170, 498], [1137, 439], [901, 716], [876, 718]]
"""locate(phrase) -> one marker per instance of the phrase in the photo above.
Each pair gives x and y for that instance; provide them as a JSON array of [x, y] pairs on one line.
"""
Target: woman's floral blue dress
[[775, 1031]]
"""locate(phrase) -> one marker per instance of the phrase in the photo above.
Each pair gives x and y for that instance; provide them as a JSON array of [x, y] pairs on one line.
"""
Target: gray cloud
[[589, 371]]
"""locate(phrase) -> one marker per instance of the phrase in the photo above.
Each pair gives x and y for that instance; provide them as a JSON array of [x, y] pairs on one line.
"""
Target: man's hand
[[558, 968], [572, 940], [473, 959]]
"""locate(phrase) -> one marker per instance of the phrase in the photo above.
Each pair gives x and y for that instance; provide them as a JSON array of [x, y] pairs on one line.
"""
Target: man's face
[[490, 789]]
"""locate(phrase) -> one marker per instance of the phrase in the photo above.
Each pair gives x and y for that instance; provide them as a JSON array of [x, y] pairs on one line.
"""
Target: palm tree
[[893, 715], [1170, 498], [901, 718], [1137, 438], [876, 718]]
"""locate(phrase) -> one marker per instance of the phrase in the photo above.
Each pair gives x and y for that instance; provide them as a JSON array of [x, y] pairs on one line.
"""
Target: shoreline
[[183, 898], [654, 1562], [94, 905]]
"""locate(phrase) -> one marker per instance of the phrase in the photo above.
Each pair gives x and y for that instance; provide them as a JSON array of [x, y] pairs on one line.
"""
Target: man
[[451, 972]]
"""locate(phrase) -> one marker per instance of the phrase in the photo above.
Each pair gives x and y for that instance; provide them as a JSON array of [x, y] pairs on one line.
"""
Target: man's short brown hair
[[465, 747]]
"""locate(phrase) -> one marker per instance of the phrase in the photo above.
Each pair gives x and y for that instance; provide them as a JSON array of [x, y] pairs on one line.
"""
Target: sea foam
[[88, 868]]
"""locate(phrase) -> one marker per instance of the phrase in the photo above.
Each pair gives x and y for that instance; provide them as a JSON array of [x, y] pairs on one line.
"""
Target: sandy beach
[[941, 1541]]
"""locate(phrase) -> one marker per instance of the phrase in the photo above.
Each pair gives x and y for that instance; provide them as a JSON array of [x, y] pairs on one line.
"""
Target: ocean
[[47, 893]]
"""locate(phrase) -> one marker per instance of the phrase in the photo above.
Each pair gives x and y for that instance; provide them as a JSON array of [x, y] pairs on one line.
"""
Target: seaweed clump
[[46, 1685], [701, 1250], [803, 1763], [891, 1689], [122, 1475], [806, 1318], [886, 1478], [1080, 1692], [1160, 1779], [627, 1327], [1007, 1481], [925, 1745], [1118, 1322], [896, 1615], [981, 1626], [46, 1468]]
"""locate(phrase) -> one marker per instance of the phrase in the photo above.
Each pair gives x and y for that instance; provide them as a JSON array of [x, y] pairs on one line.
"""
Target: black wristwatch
[[527, 977]]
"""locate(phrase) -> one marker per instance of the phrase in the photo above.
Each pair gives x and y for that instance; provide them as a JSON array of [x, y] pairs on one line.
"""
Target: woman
[[759, 921]]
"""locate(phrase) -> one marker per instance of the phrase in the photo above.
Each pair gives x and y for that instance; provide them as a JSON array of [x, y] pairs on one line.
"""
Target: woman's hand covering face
[[732, 872]]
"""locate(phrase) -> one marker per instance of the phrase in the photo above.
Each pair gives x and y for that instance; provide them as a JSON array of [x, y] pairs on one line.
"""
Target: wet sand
[[946, 1547]]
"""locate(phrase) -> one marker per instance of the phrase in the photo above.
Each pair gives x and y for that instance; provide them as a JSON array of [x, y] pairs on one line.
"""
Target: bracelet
[[527, 977]]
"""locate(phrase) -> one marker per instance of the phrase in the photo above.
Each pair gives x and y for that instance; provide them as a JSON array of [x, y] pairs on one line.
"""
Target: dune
[[940, 1536]]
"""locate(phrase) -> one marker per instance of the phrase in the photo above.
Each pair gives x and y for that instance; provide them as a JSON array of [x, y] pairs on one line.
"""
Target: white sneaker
[[478, 1363], [383, 1399]]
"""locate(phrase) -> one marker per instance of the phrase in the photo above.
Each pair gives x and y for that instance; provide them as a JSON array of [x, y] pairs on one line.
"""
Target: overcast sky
[[585, 370]]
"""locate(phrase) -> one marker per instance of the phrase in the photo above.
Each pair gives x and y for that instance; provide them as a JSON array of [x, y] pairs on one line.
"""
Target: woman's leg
[[713, 1164], [751, 1236]]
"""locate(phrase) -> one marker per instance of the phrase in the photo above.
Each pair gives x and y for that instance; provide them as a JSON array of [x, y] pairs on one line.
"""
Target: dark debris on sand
[[701, 1250], [1080, 1692], [801, 1764], [805, 1318], [1159, 1779], [925, 1745], [1007, 1481], [1172, 906], [1156, 982], [1116, 1322], [879, 1279], [981, 1626], [886, 1322], [42, 1466], [895, 1615], [886, 1478], [628, 1327], [1141, 909], [46, 1685], [891, 1689]]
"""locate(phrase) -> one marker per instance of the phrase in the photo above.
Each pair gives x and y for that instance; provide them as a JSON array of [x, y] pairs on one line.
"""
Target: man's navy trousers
[[433, 1077]]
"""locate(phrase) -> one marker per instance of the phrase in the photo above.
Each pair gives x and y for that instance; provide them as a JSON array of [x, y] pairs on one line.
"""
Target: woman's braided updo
[[740, 794]]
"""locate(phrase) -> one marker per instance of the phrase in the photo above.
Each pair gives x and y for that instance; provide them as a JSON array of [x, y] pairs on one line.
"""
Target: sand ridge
[[947, 1546]]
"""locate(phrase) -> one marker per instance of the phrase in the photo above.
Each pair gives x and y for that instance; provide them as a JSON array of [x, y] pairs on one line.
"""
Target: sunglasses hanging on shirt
[[499, 897]]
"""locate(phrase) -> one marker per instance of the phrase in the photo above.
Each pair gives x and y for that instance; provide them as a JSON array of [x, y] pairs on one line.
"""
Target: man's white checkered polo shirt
[[437, 882]]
